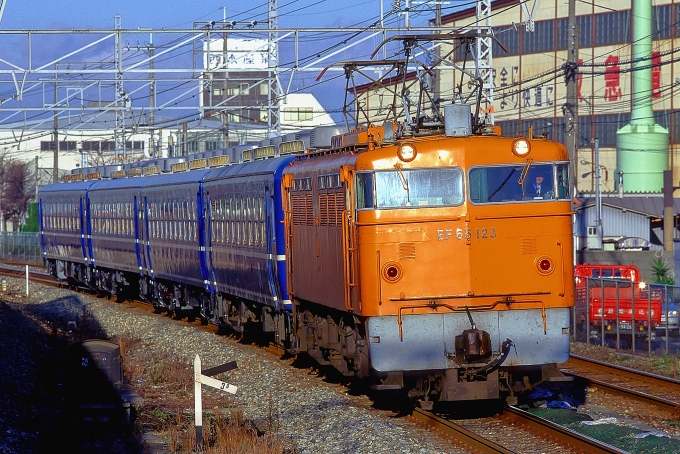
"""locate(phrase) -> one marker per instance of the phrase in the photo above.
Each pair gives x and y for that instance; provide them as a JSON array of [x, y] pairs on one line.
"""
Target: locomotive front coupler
[[474, 344]]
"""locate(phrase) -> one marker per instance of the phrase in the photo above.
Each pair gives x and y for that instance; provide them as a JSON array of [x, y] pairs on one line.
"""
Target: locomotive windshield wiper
[[404, 182], [502, 185], [523, 175], [525, 171]]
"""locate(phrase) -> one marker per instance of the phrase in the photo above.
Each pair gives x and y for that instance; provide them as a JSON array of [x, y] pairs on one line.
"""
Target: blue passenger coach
[[113, 235], [245, 231], [64, 228], [172, 238]]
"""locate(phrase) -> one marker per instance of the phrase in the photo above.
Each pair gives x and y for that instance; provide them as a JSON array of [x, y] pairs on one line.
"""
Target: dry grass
[[167, 387]]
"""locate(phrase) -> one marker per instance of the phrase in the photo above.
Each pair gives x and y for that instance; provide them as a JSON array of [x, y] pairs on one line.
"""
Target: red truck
[[602, 289]]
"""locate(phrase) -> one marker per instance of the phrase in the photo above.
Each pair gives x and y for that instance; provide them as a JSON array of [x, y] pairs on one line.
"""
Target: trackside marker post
[[202, 377]]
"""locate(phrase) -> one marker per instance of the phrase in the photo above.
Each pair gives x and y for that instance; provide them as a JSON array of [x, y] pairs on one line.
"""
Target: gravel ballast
[[310, 414]]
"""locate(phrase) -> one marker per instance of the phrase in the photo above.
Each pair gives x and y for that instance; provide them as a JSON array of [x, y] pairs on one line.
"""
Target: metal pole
[[598, 194], [198, 405], [26, 280]]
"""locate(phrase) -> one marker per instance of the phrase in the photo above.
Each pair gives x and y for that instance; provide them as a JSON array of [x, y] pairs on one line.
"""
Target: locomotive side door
[[349, 239]]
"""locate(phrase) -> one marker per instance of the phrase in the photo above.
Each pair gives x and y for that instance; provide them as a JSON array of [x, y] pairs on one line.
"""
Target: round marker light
[[545, 265], [407, 152], [521, 147], [391, 272]]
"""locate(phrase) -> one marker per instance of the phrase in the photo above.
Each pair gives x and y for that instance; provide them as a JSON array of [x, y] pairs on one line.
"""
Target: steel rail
[[562, 435], [461, 435], [568, 438], [653, 380]]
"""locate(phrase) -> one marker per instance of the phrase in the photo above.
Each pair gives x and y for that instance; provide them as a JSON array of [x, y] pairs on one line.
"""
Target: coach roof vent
[[217, 161], [198, 164], [268, 151], [180, 167], [295, 146], [457, 120], [322, 136], [166, 163], [152, 170]]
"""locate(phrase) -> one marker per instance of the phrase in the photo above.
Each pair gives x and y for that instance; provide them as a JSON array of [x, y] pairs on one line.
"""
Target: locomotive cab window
[[517, 183], [410, 188]]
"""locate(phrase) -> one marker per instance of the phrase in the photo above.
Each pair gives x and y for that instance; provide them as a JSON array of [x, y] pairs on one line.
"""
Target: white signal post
[[200, 378]]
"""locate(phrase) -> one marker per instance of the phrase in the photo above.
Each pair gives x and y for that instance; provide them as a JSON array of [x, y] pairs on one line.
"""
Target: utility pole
[[55, 133], [224, 82], [273, 98], [570, 109], [152, 99], [121, 98]]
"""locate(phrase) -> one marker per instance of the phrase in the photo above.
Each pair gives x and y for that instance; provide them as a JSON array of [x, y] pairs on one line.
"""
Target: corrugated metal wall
[[616, 223]]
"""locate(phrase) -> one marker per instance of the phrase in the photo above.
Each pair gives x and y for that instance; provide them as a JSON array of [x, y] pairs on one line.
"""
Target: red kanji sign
[[656, 74], [612, 78]]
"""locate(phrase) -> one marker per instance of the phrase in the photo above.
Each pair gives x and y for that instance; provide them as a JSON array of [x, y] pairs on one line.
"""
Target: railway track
[[651, 389], [512, 418], [516, 420], [39, 277]]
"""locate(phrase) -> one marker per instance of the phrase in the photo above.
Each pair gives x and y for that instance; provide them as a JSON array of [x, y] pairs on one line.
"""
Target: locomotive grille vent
[[303, 211], [527, 245], [407, 250], [331, 206]]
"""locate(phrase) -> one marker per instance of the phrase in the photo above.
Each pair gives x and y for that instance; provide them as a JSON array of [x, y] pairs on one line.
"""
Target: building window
[[585, 35], [64, 145], [298, 114], [109, 145], [90, 145], [612, 28], [542, 39]]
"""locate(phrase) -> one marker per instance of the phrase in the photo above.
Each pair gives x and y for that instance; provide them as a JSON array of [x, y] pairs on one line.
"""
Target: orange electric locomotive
[[433, 255], [432, 258]]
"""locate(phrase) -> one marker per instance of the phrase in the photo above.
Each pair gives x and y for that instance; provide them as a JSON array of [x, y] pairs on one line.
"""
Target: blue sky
[[68, 14], [183, 14]]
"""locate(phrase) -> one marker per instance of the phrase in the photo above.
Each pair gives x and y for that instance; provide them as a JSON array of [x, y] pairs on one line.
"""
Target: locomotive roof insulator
[[521, 147], [407, 152]]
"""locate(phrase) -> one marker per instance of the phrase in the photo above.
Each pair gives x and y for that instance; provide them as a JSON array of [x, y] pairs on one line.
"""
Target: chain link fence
[[20, 247]]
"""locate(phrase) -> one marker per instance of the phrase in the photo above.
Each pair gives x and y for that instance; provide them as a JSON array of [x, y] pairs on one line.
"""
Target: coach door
[[85, 229], [204, 227], [139, 251], [146, 244]]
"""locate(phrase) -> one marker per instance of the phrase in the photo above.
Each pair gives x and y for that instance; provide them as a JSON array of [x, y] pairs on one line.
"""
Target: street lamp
[[597, 171]]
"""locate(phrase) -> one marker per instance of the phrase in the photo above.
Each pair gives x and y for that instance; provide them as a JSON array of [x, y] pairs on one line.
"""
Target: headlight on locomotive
[[407, 152], [521, 147]]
